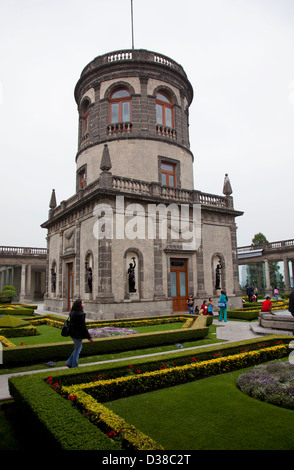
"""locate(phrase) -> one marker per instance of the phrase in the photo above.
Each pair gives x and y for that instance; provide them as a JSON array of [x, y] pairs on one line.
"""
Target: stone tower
[[121, 242], [137, 102]]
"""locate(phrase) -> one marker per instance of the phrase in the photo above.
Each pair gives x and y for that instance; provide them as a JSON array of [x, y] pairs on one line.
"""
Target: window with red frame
[[168, 174], [82, 179], [164, 110], [120, 106]]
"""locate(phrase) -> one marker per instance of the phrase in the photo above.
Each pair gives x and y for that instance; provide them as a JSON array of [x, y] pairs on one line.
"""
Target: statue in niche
[[90, 277], [53, 279], [131, 273], [218, 276]]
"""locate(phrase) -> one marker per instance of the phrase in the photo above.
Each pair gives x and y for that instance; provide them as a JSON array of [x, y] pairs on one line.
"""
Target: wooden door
[[179, 284]]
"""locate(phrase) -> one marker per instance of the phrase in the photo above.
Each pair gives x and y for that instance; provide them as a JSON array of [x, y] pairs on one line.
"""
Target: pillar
[[286, 273], [28, 294], [268, 289], [22, 283]]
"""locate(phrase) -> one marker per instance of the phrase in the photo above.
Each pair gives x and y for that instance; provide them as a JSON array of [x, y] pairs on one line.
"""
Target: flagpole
[[132, 24]]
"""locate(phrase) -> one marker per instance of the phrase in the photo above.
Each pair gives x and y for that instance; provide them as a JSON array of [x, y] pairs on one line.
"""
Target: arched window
[[85, 118], [120, 106], [164, 110]]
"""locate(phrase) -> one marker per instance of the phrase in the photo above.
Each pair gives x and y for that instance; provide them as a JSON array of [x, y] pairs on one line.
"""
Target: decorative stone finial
[[52, 203], [105, 164], [227, 189]]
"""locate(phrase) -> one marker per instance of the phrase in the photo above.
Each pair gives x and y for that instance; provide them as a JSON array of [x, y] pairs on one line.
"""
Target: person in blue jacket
[[223, 300]]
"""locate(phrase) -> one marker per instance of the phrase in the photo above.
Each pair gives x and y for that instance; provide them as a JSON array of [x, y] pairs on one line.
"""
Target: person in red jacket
[[266, 305], [204, 308]]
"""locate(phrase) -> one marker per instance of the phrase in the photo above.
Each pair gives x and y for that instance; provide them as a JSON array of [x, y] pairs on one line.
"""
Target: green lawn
[[51, 335], [209, 414]]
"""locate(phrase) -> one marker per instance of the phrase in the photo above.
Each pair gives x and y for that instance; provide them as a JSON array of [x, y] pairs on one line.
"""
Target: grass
[[209, 414], [50, 335], [19, 432]]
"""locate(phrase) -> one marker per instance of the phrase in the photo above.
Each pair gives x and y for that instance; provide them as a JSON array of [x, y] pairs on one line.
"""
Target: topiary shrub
[[7, 294]]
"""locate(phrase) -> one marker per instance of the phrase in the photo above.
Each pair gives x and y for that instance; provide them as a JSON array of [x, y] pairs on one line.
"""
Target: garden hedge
[[19, 355], [69, 427]]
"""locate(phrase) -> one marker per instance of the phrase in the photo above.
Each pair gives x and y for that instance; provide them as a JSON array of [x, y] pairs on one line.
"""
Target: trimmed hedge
[[57, 351], [248, 315], [17, 309], [19, 331], [69, 427]]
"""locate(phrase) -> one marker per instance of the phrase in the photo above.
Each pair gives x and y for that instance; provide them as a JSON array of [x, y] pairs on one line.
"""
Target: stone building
[[136, 237]]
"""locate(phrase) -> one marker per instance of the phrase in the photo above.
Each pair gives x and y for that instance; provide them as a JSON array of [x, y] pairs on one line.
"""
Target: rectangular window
[[82, 179], [168, 174], [114, 112], [173, 282], [126, 111], [159, 119], [168, 117]]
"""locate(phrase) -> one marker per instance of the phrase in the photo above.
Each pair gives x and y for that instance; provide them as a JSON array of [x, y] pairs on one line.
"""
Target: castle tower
[[121, 242], [138, 103]]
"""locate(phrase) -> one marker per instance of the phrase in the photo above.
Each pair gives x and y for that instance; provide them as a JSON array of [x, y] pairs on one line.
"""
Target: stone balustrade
[[133, 186], [22, 251]]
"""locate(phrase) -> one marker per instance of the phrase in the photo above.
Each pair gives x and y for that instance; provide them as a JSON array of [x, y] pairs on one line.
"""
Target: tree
[[255, 271], [259, 239]]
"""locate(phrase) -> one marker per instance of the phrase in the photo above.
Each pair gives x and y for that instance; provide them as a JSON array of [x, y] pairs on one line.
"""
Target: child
[[210, 306], [204, 308], [190, 303]]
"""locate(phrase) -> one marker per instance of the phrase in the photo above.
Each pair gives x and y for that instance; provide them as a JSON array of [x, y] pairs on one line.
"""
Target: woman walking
[[78, 331], [222, 304]]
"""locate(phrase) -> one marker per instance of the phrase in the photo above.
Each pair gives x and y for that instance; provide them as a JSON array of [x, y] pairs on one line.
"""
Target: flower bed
[[17, 309], [63, 418], [106, 332], [61, 350], [272, 383]]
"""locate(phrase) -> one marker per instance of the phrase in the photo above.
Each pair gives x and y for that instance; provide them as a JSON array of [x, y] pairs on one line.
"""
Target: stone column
[[201, 292], [287, 277], [158, 271], [28, 294], [22, 283], [237, 290], [78, 261], [268, 289], [105, 271]]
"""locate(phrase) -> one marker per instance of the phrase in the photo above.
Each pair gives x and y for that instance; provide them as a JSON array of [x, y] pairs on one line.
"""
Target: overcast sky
[[239, 58]]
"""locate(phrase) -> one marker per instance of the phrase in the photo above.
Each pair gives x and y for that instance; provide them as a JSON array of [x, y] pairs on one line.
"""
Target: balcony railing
[[22, 251], [132, 186], [268, 247], [119, 128], [133, 55]]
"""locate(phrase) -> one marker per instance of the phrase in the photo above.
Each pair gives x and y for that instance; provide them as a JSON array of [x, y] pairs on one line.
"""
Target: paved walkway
[[229, 331]]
